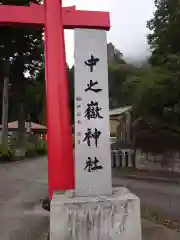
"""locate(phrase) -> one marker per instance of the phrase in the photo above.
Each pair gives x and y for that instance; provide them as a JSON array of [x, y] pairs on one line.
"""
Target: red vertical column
[[60, 153]]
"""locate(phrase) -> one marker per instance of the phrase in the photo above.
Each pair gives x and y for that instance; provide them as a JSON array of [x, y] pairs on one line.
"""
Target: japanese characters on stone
[[78, 106], [91, 62], [92, 149], [93, 111]]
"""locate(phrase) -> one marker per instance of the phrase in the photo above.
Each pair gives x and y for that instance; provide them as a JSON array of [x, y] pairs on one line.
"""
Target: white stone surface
[[91, 180], [115, 217]]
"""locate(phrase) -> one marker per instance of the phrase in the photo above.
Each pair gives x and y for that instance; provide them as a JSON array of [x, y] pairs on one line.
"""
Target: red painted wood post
[[60, 152], [55, 18]]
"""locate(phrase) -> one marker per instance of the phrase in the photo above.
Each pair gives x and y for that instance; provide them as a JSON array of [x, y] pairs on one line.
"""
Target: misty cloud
[[128, 20]]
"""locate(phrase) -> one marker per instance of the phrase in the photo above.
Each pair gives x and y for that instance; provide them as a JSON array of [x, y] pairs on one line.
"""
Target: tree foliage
[[164, 40], [165, 35], [22, 47], [114, 55]]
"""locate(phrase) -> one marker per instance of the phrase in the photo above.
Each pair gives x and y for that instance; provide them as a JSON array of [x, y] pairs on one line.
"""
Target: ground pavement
[[153, 231], [23, 184], [163, 197]]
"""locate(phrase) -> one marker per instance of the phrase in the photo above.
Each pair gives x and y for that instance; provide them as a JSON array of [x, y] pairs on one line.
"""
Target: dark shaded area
[[157, 142], [46, 204]]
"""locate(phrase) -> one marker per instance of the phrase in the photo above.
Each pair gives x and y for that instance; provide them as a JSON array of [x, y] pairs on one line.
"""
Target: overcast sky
[[128, 21]]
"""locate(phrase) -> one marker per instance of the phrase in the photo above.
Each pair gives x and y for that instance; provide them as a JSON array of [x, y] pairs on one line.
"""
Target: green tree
[[35, 97], [164, 43], [165, 35], [117, 77], [114, 55], [22, 47]]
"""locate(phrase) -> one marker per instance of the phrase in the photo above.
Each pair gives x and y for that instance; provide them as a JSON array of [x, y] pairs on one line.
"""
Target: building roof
[[119, 111], [34, 126], [116, 112]]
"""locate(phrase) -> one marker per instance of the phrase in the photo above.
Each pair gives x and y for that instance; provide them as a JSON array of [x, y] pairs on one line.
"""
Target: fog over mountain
[[137, 61], [128, 26]]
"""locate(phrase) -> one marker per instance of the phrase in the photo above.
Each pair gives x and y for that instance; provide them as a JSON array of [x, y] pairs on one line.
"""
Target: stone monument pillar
[[93, 211]]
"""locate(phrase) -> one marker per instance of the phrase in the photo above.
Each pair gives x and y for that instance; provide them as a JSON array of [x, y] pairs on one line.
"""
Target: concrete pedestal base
[[115, 217]]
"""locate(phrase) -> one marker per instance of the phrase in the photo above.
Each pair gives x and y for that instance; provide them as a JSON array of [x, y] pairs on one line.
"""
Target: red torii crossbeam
[[35, 15], [55, 19]]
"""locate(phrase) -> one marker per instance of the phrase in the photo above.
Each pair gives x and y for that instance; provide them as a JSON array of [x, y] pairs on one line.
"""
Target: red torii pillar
[[55, 18]]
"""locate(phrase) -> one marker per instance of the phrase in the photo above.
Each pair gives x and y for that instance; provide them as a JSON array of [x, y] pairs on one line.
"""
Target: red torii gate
[[55, 18]]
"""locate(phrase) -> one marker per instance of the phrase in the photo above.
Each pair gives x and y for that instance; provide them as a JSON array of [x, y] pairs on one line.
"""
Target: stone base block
[[115, 217]]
